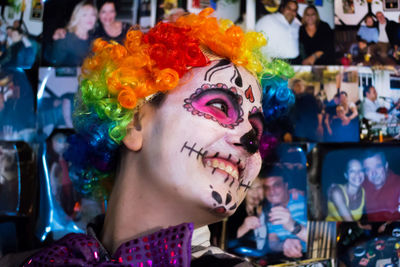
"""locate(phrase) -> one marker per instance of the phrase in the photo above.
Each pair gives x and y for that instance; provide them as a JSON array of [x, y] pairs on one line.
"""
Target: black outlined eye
[[219, 104]]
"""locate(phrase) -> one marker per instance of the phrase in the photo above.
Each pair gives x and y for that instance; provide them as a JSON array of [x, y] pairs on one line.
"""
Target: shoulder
[[324, 26]]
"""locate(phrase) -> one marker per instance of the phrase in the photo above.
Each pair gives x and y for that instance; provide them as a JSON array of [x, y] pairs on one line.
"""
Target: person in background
[[307, 113], [382, 188], [108, 27], [346, 202], [286, 214], [386, 40], [315, 39], [71, 50], [247, 225], [282, 32]]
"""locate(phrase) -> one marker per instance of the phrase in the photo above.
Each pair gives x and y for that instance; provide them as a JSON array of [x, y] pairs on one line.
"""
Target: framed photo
[[390, 5], [37, 10], [354, 182]]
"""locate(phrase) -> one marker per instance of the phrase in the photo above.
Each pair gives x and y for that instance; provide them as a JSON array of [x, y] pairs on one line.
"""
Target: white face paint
[[201, 143]]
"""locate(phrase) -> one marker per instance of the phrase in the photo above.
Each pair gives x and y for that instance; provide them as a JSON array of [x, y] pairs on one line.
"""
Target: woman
[[247, 226], [179, 129], [71, 50], [109, 28], [350, 108], [316, 39], [346, 201]]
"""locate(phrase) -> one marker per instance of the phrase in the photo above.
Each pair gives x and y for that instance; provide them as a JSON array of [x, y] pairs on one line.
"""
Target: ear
[[134, 136]]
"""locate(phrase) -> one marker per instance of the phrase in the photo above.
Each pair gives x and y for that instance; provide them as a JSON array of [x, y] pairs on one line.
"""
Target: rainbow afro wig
[[117, 79]]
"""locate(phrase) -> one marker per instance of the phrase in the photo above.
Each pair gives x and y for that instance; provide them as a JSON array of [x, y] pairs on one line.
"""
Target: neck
[[351, 189], [81, 33], [139, 206]]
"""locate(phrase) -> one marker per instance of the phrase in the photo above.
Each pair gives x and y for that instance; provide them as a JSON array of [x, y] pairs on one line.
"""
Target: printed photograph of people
[[297, 32], [9, 179], [271, 224], [369, 244], [367, 34], [20, 34], [358, 183], [67, 39], [71, 209], [55, 99], [17, 116], [325, 109], [380, 104]]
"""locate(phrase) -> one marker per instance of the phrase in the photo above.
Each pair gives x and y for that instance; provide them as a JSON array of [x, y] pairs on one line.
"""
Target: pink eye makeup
[[216, 102]]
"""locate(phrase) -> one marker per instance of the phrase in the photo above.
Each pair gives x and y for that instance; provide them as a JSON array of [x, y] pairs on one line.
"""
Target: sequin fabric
[[167, 247]]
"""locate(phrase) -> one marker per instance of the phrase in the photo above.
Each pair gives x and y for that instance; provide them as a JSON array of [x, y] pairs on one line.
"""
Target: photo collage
[[328, 193]]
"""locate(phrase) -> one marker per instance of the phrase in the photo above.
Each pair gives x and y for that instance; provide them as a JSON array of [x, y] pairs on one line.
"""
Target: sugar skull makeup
[[205, 139]]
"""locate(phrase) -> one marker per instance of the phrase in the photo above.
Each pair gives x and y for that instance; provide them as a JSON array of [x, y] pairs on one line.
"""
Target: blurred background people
[[286, 214], [282, 32], [315, 39], [246, 227], [346, 202], [108, 27], [74, 47]]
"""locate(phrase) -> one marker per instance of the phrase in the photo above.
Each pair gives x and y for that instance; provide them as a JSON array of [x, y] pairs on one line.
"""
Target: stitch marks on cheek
[[192, 149], [216, 102]]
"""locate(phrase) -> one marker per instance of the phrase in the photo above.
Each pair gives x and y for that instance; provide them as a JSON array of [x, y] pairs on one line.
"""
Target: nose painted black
[[250, 141]]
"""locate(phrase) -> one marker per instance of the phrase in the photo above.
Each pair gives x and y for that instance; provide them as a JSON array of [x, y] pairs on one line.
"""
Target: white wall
[[224, 10], [35, 27], [360, 10]]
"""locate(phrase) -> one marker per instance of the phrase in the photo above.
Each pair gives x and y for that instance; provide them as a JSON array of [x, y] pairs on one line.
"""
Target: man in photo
[[386, 39], [382, 188], [373, 109], [286, 215], [282, 32]]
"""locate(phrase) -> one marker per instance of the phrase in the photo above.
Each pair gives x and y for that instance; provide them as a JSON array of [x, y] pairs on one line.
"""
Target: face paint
[[249, 94], [218, 103], [222, 206], [196, 151]]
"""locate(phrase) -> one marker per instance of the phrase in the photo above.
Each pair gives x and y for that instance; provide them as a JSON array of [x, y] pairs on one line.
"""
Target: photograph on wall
[[17, 178], [368, 244], [354, 182], [325, 109], [380, 104], [20, 35], [17, 115], [368, 35], [63, 208], [37, 9], [70, 27], [258, 228], [55, 99], [170, 10], [295, 42]]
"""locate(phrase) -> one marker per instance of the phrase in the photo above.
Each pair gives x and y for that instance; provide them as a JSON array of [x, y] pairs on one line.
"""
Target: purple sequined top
[[167, 247]]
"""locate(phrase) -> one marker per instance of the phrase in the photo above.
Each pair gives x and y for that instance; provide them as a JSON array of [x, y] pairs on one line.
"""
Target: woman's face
[[88, 18], [107, 14], [354, 173], [200, 145], [310, 16], [369, 21], [255, 194]]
